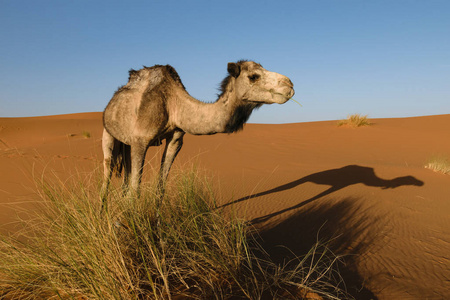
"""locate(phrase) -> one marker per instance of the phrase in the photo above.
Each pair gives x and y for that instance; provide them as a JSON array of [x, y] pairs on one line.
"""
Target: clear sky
[[381, 58]]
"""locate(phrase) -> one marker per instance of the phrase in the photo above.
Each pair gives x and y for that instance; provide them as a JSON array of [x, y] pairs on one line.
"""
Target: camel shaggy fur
[[155, 106]]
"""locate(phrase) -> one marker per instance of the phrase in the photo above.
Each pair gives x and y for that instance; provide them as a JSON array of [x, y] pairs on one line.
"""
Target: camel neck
[[225, 115]]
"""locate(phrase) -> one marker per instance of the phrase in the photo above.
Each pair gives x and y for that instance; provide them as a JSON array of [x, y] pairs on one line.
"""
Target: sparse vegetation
[[439, 163], [137, 250], [355, 120], [86, 134]]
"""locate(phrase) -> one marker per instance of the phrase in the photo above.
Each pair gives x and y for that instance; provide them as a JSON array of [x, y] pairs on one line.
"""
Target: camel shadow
[[340, 226], [337, 179]]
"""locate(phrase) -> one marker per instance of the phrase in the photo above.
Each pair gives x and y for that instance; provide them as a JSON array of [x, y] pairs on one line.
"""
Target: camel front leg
[[138, 151], [173, 146]]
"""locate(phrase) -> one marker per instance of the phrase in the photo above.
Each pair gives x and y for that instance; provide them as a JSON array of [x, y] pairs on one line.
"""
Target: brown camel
[[154, 106]]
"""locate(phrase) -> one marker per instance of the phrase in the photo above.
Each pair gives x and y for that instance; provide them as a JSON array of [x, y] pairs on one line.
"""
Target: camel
[[155, 106]]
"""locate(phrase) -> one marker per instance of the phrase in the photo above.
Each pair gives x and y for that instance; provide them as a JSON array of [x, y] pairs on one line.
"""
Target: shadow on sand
[[340, 226], [337, 179], [346, 227]]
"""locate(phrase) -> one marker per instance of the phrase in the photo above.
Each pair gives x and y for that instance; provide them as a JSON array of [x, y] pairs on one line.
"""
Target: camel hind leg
[[108, 142], [126, 161], [116, 156]]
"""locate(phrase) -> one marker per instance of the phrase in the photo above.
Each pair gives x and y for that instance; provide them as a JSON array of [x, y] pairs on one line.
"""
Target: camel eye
[[253, 77]]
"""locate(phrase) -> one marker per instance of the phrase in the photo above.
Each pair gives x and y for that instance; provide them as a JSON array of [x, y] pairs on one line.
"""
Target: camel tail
[[121, 157]]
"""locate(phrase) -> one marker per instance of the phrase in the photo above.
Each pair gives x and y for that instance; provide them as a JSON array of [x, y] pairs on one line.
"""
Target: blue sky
[[381, 58]]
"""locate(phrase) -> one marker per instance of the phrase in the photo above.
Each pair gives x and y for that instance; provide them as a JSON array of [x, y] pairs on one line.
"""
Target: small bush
[[86, 134], [355, 120], [139, 249], [439, 163]]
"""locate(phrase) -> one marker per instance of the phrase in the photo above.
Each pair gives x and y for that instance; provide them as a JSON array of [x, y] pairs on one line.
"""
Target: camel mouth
[[291, 93], [281, 98]]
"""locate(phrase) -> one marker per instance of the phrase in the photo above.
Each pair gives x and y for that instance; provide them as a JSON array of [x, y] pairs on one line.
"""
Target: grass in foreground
[[186, 247], [355, 120], [439, 163]]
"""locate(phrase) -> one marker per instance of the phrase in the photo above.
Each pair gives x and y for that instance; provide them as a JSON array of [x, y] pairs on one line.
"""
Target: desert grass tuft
[[86, 134], [182, 247], [355, 120], [439, 163]]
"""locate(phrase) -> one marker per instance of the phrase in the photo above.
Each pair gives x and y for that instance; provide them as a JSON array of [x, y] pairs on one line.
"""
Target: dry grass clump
[[439, 163], [185, 247], [86, 134], [355, 120]]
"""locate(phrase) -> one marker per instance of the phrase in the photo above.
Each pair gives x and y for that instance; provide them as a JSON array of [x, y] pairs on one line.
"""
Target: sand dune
[[365, 190]]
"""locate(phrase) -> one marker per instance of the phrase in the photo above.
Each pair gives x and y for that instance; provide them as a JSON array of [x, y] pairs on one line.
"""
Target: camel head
[[255, 84]]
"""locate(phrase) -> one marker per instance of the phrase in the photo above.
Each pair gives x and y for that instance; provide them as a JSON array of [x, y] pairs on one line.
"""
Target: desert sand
[[365, 191]]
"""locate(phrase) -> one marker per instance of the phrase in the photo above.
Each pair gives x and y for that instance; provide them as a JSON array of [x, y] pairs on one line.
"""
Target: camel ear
[[234, 69]]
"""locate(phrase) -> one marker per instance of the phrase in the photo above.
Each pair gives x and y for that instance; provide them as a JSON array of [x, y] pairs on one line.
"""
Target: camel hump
[[153, 75], [173, 73]]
